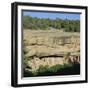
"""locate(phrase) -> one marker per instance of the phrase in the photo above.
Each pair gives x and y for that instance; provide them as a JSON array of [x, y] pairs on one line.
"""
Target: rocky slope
[[51, 47]]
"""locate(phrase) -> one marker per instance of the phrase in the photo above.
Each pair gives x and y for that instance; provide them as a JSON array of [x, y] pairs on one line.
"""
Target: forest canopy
[[35, 23]]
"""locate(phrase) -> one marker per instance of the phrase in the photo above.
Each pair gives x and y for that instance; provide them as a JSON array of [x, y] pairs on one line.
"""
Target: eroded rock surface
[[51, 47]]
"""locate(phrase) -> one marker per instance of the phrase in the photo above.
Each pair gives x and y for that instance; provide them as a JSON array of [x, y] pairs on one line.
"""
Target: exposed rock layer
[[51, 47]]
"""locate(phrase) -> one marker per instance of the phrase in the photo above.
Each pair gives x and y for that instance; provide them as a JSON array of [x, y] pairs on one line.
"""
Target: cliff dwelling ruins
[[51, 47]]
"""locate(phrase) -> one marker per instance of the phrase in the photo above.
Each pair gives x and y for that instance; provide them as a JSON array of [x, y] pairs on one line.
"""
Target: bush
[[56, 68], [66, 69], [43, 68]]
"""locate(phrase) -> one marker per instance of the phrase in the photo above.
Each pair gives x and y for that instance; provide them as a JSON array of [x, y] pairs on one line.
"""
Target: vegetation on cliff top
[[35, 23]]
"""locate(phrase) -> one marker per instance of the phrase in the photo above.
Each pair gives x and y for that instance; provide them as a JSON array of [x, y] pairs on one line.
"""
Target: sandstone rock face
[[51, 47]]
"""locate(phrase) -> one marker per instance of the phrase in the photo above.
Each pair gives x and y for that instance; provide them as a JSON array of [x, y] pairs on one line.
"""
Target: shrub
[[66, 69], [55, 68]]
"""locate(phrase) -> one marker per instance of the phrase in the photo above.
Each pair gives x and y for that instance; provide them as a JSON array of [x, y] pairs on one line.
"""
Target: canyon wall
[[51, 47]]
